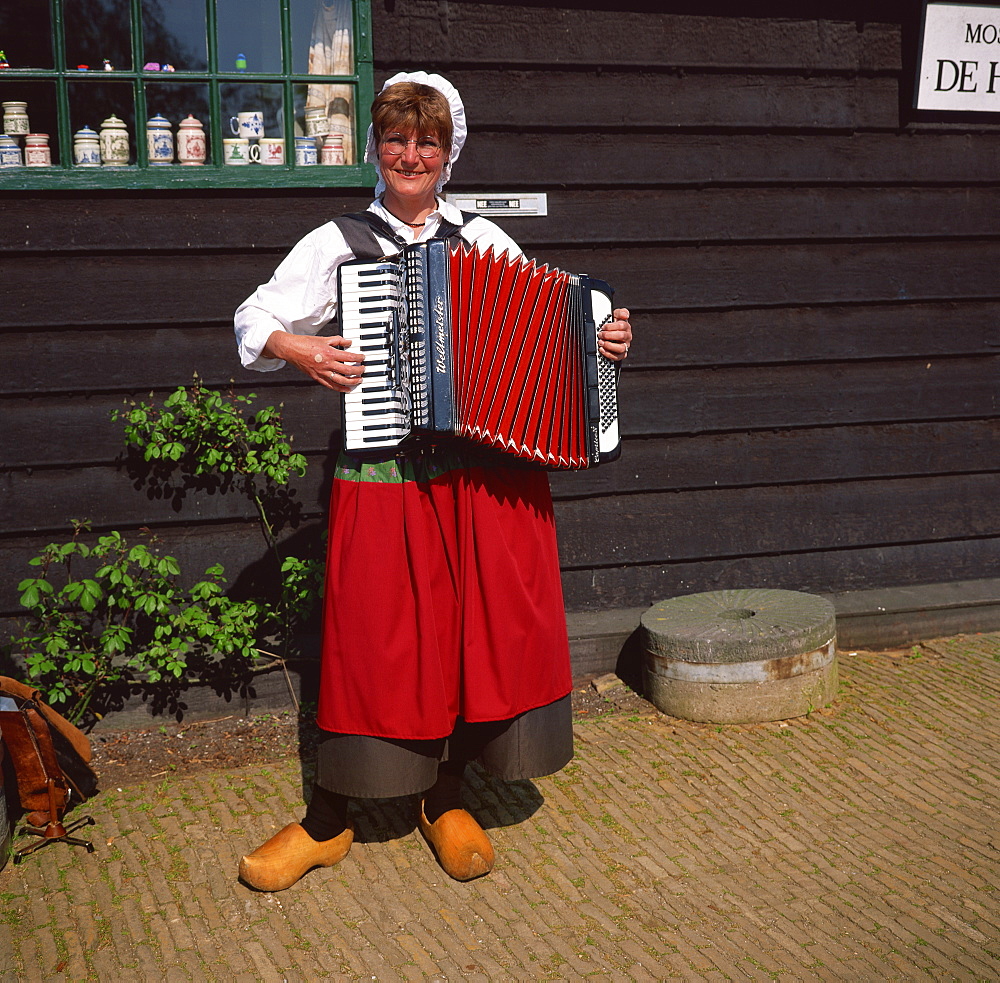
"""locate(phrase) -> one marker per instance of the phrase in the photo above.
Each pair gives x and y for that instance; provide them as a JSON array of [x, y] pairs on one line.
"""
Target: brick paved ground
[[861, 843]]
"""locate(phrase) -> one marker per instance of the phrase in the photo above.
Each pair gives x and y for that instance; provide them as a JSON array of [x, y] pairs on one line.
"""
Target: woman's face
[[407, 175]]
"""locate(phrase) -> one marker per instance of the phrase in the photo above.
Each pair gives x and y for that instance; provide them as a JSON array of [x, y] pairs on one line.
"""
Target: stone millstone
[[739, 656]]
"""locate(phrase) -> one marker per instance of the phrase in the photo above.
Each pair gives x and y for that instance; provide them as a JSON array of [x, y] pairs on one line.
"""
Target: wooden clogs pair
[[462, 848]]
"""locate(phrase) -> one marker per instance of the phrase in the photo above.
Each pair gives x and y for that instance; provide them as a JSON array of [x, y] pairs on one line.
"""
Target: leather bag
[[50, 756]]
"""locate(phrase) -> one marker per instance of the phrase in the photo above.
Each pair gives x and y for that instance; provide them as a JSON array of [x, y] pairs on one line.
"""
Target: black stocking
[[326, 814], [446, 792]]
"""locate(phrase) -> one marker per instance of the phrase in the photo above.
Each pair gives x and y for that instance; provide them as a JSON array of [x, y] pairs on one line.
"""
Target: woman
[[444, 635]]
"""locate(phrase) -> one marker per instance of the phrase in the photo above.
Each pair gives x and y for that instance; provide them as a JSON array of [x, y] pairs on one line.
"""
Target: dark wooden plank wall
[[812, 398]]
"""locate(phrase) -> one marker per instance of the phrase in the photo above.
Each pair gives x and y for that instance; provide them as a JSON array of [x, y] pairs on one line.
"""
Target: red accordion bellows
[[517, 358]]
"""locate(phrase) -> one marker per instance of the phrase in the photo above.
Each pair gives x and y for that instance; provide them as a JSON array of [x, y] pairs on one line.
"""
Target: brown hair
[[412, 106]]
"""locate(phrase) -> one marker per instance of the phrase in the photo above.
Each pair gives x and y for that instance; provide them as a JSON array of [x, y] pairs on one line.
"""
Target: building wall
[[812, 398]]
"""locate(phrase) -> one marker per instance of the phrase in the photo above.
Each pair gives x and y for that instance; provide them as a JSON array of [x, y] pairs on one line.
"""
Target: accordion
[[497, 350]]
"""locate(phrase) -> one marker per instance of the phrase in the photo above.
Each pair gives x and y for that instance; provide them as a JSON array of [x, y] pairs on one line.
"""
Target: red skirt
[[443, 596]]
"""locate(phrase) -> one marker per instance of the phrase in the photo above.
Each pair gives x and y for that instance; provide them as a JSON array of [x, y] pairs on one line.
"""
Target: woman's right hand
[[326, 360]]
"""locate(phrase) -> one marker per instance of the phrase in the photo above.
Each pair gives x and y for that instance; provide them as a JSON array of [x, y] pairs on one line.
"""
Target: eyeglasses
[[426, 146]]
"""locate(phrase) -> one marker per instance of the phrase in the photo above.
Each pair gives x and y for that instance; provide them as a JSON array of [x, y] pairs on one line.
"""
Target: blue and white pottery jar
[[160, 141], [10, 152], [305, 151], [86, 148]]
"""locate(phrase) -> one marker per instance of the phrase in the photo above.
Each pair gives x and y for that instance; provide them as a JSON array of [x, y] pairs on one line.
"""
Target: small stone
[[606, 683]]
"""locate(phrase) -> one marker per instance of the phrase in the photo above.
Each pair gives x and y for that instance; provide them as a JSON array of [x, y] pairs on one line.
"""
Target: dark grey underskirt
[[538, 742]]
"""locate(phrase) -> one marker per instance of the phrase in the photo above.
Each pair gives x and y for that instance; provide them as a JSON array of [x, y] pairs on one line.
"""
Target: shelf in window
[[180, 176]]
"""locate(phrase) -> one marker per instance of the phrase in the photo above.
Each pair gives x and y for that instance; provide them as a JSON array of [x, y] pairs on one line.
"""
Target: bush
[[201, 435], [126, 620]]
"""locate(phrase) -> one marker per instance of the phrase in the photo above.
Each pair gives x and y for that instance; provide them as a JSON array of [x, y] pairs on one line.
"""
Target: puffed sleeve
[[300, 298]]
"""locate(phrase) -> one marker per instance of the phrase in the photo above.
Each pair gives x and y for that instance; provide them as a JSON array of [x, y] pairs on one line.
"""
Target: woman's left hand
[[614, 339]]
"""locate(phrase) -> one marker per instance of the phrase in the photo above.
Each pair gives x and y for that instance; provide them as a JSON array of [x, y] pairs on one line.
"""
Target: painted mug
[[272, 150], [239, 151], [247, 125]]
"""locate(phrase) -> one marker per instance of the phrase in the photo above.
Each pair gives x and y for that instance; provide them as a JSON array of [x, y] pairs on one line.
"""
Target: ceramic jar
[[86, 148], [317, 122], [36, 150], [114, 142], [10, 152], [305, 151], [159, 141], [15, 119], [333, 150], [191, 145]]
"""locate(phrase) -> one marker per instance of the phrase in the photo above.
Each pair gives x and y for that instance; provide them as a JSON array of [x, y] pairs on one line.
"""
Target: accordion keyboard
[[375, 412]]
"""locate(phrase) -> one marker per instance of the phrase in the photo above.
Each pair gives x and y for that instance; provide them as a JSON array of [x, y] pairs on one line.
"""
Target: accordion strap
[[359, 229]]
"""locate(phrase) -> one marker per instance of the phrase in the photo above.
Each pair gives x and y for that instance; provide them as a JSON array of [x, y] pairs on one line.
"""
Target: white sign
[[514, 203], [959, 67]]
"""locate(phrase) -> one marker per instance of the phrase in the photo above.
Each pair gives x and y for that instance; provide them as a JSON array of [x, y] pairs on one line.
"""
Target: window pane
[[264, 99], [26, 33], [322, 37], [98, 30], [336, 103], [91, 103], [174, 33], [249, 31], [41, 110]]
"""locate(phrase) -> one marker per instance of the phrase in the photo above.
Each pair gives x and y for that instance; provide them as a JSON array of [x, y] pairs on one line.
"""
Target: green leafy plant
[[200, 433], [124, 619], [202, 436]]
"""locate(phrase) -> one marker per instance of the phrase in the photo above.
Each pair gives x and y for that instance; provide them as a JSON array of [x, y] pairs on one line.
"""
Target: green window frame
[[139, 174]]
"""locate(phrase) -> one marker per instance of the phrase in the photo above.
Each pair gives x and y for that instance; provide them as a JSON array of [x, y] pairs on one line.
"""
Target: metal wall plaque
[[958, 69], [514, 203]]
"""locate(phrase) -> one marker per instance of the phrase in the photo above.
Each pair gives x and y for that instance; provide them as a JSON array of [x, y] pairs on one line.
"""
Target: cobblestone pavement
[[860, 843]]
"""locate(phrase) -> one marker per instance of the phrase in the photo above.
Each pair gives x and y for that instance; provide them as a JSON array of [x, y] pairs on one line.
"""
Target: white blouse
[[302, 295]]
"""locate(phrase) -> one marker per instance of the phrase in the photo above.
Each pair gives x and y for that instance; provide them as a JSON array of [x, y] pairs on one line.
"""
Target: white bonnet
[[459, 129]]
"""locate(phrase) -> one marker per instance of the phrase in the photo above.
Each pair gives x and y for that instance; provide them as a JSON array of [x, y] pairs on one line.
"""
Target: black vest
[[359, 229]]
